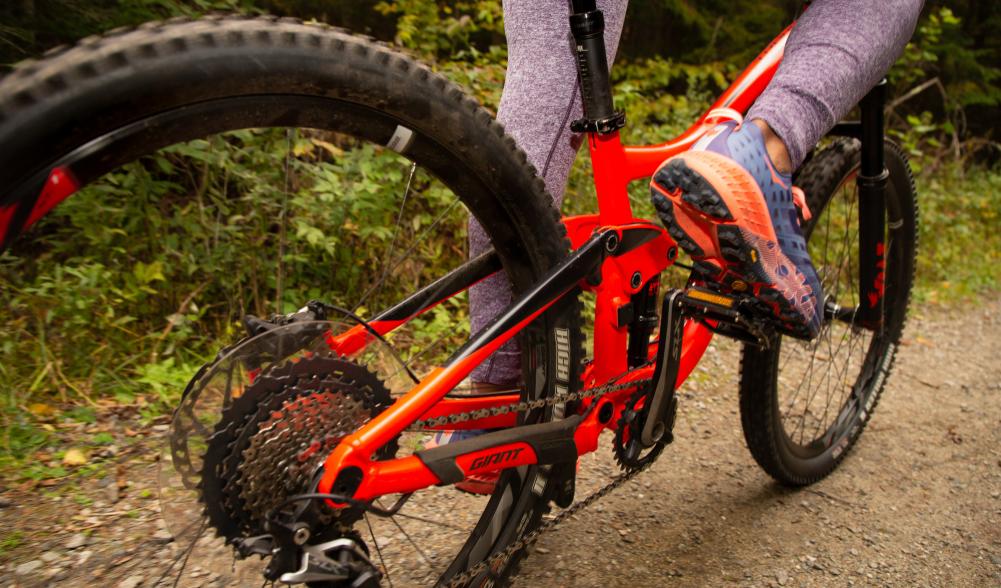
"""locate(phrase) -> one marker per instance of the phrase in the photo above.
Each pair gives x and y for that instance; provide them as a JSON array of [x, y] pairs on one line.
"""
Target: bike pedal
[[730, 315]]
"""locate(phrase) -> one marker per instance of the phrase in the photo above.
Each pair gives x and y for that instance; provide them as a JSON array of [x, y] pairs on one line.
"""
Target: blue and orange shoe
[[727, 206]]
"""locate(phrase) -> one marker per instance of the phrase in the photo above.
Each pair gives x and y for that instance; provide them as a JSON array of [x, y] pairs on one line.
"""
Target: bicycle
[[291, 438]]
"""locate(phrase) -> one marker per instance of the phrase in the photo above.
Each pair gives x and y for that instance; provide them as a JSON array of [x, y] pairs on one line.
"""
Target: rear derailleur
[[294, 559]]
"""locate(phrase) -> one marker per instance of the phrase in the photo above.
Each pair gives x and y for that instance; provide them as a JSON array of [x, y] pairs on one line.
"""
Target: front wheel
[[803, 404]]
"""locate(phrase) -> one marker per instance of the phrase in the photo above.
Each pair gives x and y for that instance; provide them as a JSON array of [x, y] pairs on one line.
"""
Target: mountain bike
[[302, 442]]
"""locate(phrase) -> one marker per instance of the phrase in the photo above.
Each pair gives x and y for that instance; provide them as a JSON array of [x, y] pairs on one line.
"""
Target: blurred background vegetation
[[122, 302]]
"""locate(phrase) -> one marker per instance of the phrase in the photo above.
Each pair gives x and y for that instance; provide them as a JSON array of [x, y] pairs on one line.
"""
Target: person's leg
[[730, 202], [856, 41], [540, 98]]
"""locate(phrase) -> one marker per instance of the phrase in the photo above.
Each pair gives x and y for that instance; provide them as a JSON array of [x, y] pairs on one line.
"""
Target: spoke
[[413, 543], [378, 550], [184, 555], [808, 373], [429, 521], [282, 223], [399, 222], [422, 519], [405, 254], [432, 345]]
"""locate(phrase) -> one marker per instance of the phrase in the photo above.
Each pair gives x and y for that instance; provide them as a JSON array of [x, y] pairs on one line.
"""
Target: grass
[[959, 255]]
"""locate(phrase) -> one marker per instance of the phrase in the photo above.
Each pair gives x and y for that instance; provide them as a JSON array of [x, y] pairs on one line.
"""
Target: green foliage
[[960, 254], [939, 77], [453, 30], [11, 541], [941, 47]]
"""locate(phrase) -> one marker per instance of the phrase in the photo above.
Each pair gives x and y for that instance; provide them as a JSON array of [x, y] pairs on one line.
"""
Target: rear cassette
[[272, 438], [254, 425]]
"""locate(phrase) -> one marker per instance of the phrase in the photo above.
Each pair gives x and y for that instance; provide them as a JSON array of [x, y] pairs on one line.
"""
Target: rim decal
[[59, 186]]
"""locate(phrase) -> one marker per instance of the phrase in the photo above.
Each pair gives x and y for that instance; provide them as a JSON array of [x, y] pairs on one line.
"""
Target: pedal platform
[[727, 314]]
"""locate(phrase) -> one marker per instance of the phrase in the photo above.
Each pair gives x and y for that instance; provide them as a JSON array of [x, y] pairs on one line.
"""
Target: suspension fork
[[872, 181]]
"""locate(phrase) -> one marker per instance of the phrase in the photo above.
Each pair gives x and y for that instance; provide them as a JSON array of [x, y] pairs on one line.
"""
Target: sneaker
[[474, 483], [738, 218]]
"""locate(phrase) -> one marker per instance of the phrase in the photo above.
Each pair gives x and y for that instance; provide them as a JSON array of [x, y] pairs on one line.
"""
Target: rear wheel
[[343, 124], [804, 403]]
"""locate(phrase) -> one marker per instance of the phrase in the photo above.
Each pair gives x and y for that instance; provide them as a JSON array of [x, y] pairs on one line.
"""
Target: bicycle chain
[[524, 406]]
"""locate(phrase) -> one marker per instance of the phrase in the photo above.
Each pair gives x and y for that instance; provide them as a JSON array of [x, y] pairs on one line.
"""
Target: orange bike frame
[[615, 165]]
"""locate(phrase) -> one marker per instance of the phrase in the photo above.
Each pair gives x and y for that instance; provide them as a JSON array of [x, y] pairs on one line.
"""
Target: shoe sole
[[478, 485], [688, 193]]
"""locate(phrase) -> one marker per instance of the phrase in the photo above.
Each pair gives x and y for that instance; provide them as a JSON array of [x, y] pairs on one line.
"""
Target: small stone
[[782, 577], [50, 556], [162, 536], [5, 503], [131, 582], [28, 567], [541, 550], [84, 557], [76, 541], [112, 493]]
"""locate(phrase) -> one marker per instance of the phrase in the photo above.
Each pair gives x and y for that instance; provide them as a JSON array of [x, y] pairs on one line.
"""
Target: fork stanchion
[[872, 182]]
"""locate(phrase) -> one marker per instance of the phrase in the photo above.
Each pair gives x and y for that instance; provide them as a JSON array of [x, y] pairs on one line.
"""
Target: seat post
[[587, 24]]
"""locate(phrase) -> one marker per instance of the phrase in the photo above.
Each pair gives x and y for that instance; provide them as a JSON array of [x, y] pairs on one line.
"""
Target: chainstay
[[529, 539]]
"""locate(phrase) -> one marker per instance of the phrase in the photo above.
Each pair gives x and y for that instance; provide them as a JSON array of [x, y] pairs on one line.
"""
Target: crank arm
[[660, 411]]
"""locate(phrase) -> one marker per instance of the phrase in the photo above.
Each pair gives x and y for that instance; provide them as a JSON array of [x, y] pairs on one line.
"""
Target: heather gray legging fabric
[[837, 51]]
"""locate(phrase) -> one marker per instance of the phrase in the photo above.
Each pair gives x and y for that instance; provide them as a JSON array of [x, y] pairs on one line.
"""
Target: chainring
[[629, 454], [272, 439]]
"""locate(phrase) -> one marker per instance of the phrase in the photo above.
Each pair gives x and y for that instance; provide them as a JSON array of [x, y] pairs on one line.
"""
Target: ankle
[[775, 146]]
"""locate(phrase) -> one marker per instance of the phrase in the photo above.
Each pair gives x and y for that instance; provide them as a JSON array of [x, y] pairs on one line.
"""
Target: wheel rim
[[822, 385], [290, 152]]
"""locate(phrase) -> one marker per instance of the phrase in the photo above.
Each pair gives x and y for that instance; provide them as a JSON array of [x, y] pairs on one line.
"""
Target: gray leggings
[[838, 50]]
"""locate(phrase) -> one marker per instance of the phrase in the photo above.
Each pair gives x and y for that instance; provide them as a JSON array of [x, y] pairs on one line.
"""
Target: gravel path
[[918, 503]]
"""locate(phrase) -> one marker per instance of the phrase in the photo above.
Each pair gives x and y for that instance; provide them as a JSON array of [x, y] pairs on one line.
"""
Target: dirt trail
[[918, 503]]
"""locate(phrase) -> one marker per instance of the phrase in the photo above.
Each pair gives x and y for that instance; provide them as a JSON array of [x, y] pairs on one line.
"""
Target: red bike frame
[[615, 165], [623, 274]]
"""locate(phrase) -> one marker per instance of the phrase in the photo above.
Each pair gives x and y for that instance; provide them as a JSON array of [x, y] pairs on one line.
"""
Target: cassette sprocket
[[272, 439]]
